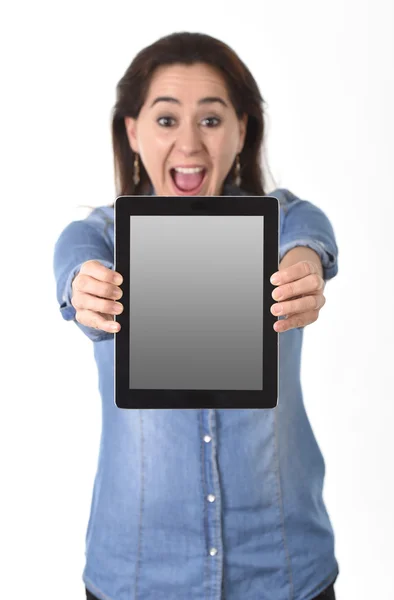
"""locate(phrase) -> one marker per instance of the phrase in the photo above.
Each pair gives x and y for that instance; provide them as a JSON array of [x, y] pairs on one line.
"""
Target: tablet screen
[[196, 302]]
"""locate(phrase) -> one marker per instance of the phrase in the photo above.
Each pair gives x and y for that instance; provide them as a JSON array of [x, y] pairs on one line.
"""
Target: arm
[[305, 226], [79, 241], [308, 258]]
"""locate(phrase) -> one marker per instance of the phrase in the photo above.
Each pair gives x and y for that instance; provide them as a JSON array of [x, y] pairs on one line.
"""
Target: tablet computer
[[196, 329]]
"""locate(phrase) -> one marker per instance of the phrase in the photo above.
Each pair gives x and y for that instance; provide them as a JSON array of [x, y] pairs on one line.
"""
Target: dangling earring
[[136, 174], [237, 171]]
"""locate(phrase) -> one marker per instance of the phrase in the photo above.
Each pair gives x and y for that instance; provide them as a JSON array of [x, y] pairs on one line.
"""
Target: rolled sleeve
[[304, 224]]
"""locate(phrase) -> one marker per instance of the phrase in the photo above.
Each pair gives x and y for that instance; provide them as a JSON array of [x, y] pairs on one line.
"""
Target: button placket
[[212, 499]]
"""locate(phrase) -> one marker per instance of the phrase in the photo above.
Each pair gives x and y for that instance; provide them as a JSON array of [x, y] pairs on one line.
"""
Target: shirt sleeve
[[79, 241], [304, 224]]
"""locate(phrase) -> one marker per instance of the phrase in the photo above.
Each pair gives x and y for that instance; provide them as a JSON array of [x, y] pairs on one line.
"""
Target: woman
[[201, 503]]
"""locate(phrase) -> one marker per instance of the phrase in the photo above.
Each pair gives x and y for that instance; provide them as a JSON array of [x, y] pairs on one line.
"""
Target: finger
[[90, 318], [300, 305], [307, 285], [98, 271], [83, 301], [89, 285], [296, 321], [301, 269]]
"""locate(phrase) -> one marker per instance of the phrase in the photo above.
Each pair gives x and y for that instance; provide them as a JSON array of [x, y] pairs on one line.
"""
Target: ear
[[131, 130], [243, 125]]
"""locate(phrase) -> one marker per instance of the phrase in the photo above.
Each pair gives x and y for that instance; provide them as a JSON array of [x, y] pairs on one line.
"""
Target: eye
[[211, 121], [165, 121]]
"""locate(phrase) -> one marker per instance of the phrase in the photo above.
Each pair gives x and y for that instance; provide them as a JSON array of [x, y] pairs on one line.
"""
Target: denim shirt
[[205, 504]]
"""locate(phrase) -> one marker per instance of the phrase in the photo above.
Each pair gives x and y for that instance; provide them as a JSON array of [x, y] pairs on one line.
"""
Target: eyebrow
[[207, 100]]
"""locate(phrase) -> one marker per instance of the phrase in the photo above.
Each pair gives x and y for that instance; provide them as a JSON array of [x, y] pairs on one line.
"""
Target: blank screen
[[196, 302]]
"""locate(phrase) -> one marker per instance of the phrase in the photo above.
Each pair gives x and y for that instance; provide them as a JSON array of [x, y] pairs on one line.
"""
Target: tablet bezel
[[128, 206]]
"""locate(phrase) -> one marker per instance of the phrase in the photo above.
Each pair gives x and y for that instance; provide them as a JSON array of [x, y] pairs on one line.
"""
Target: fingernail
[[275, 279], [277, 309], [118, 279], [114, 326], [277, 294]]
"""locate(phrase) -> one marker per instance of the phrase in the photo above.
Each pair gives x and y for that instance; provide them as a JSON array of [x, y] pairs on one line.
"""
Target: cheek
[[154, 152], [223, 151]]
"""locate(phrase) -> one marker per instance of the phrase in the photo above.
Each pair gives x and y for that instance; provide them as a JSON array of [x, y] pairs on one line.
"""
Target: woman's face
[[187, 133]]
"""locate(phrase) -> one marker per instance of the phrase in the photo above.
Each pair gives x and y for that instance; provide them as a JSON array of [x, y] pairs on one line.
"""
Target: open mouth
[[188, 181]]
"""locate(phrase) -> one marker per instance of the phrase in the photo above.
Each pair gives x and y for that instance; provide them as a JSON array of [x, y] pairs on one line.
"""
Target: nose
[[189, 138]]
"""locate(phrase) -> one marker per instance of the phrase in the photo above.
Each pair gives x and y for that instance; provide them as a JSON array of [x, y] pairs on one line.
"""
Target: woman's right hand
[[94, 293]]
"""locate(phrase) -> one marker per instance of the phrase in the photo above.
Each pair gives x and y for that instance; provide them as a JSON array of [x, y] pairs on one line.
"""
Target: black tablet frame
[[126, 207]]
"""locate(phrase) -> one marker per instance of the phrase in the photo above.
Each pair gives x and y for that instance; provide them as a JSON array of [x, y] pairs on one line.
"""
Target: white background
[[326, 71]]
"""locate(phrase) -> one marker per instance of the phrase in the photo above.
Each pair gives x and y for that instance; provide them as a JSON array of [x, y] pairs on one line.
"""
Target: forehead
[[187, 81]]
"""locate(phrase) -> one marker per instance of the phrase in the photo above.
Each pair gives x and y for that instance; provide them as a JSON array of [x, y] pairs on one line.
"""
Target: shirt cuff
[[68, 311], [328, 259]]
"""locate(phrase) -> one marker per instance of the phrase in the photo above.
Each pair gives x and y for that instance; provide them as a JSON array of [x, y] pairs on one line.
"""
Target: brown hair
[[188, 49]]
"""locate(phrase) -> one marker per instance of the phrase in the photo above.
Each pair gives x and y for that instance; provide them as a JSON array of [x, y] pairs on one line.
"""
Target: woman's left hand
[[300, 291]]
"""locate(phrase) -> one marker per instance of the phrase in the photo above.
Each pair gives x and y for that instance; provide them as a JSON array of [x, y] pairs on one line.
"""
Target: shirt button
[[207, 438], [213, 551], [211, 498]]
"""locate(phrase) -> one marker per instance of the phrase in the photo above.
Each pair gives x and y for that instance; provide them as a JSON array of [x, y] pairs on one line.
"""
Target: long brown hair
[[188, 49]]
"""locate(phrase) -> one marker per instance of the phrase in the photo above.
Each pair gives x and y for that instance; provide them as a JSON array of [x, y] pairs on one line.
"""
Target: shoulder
[[101, 219], [97, 225], [287, 200], [97, 218], [298, 211], [101, 215]]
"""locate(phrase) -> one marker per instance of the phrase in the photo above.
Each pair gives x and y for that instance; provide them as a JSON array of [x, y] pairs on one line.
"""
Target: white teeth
[[189, 170]]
